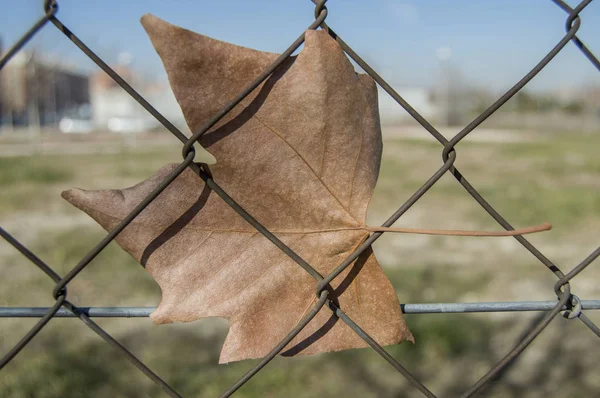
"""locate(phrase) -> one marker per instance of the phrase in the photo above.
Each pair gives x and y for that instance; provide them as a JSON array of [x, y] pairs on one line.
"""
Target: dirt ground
[[528, 178]]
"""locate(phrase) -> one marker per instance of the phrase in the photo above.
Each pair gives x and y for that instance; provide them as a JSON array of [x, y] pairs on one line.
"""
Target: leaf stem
[[451, 232]]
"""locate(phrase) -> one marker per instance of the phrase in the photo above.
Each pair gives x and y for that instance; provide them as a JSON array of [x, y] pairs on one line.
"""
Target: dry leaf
[[301, 154]]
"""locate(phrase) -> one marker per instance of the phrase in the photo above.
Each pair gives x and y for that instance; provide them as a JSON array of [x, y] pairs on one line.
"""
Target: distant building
[[109, 101], [39, 91], [417, 97], [113, 109]]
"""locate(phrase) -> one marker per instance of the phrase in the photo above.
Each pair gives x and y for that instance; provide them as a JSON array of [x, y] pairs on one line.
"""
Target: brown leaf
[[301, 154]]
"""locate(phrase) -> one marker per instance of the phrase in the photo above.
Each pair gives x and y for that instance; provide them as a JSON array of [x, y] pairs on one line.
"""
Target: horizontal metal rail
[[422, 308]]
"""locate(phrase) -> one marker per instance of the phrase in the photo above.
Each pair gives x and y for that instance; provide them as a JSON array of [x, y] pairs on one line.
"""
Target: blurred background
[[64, 123]]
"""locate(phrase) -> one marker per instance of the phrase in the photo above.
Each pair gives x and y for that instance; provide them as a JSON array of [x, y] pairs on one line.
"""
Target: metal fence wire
[[569, 304]]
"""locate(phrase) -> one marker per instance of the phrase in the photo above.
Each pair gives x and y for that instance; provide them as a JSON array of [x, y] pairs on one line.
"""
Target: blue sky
[[493, 42]]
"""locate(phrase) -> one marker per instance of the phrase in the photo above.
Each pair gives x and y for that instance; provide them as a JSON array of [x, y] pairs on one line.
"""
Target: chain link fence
[[568, 303]]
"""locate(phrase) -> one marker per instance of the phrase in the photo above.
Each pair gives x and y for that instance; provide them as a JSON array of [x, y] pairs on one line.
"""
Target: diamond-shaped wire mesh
[[567, 302]]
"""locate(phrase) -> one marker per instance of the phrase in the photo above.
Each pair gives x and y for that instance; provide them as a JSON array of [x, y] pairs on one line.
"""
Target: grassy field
[[555, 180]]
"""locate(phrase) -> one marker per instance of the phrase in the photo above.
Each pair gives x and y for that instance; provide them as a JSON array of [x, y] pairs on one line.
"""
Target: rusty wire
[[567, 302]]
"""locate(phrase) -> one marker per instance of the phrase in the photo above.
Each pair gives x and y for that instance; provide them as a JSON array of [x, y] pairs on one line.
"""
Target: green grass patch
[[32, 170]]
